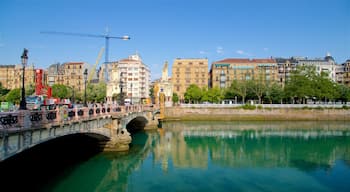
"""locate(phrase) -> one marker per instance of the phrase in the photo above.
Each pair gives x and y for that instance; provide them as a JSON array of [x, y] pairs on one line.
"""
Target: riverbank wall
[[239, 114]]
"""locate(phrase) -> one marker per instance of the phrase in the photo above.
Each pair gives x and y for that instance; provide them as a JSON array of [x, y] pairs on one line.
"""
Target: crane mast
[[107, 38], [94, 67]]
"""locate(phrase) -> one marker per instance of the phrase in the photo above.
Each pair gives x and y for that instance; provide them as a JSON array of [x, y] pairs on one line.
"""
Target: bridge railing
[[42, 118]]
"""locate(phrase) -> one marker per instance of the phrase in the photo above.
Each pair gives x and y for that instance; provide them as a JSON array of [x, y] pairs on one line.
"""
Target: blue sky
[[162, 30]]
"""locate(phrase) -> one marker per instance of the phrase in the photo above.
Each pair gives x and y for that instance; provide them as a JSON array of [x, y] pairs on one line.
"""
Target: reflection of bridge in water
[[24, 129]]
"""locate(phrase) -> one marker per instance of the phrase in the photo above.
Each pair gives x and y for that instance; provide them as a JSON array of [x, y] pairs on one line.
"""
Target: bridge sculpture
[[24, 129]]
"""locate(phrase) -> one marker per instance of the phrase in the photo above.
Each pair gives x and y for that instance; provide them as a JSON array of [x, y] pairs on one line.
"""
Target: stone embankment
[[280, 114]]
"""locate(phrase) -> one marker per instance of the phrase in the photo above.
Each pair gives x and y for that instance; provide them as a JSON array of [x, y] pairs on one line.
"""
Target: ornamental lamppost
[[85, 79], [24, 59], [121, 89]]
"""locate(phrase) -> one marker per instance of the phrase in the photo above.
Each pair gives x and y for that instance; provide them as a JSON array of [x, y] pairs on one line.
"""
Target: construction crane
[[95, 66], [106, 36]]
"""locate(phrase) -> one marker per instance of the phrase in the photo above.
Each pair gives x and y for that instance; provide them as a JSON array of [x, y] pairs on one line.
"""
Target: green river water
[[220, 156]]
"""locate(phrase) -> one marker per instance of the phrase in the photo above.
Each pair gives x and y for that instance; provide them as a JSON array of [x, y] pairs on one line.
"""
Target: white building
[[130, 76], [327, 65]]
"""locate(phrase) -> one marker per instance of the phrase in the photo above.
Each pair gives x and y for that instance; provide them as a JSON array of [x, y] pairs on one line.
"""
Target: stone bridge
[[112, 125]]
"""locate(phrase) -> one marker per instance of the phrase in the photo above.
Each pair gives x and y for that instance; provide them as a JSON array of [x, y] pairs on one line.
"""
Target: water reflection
[[304, 145], [184, 156]]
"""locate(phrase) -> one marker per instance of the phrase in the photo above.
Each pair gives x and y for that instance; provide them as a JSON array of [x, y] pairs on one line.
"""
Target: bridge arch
[[136, 124]]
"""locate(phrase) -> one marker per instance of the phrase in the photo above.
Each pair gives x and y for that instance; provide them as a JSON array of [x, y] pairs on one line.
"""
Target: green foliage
[[96, 92], [257, 87], [249, 107], [14, 96], [214, 95], [274, 93], [175, 98], [3, 92], [238, 88], [305, 83], [193, 94], [30, 89], [60, 91]]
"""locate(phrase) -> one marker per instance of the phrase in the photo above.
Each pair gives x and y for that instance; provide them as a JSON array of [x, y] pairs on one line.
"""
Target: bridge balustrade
[[38, 118]]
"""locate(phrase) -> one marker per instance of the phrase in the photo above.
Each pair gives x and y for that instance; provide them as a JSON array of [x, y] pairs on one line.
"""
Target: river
[[220, 156]]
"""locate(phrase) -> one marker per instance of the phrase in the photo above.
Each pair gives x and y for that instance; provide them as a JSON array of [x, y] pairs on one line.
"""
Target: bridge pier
[[120, 137]]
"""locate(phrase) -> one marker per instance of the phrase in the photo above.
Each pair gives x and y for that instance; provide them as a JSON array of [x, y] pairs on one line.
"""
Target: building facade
[[326, 64], [7, 76], [69, 74], [223, 72], [285, 68], [189, 71], [131, 77], [343, 73], [11, 76], [165, 86]]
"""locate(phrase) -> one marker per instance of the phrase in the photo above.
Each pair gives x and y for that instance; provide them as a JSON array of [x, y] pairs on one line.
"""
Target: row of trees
[[94, 93], [304, 85]]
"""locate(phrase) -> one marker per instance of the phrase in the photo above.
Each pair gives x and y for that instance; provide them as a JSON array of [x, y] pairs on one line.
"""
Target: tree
[[30, 89], [60, 91], [274, 93], [96, 92], [3, 92], [193, 94], [257, 87], [239, 88], [214, 95], [344, 93], [175, 98], [14, 96], [301, 83]]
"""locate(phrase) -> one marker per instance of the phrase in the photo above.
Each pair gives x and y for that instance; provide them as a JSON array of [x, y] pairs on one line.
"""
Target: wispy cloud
[[203, 52], [266, 49], [240, 52], [219, 50]]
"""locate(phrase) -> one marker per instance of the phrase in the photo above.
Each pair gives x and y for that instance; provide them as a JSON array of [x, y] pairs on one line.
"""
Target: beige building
[[225, 71], [69, 74], [11, 76], [343, 73], [189, 71]]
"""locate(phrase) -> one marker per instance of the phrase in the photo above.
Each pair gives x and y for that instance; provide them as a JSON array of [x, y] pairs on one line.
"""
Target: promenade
[[266, 112]]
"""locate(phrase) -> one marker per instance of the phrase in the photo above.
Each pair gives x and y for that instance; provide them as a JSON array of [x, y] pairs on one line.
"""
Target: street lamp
[[24, 59], [85, 79], [121, 89], [131, 95]]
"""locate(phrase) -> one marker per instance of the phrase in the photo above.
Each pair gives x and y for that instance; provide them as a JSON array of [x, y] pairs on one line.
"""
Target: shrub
[[249, 107]]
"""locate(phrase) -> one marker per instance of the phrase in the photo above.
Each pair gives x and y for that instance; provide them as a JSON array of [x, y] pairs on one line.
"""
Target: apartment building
[[343, 73], [11, 76], [223, 72], [189, 71], [69, 74], [326, 64], [7, 75], [131, 77]]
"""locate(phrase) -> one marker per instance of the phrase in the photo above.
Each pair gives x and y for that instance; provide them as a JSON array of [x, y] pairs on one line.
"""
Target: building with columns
[[131, 77]]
